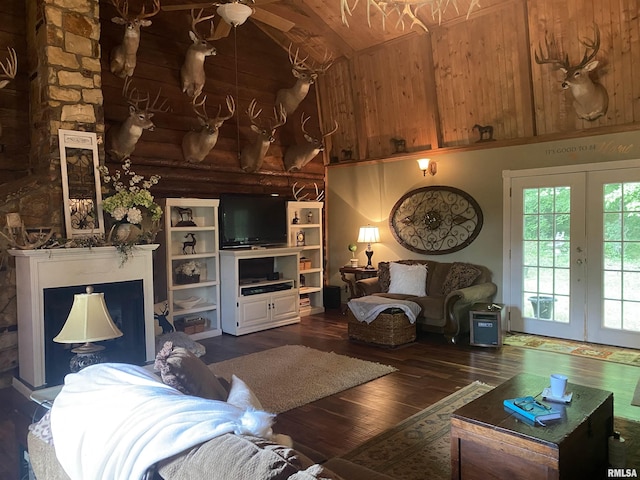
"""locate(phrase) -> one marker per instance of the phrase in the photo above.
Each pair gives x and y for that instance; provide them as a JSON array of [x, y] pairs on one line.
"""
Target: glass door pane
[[547, 239]]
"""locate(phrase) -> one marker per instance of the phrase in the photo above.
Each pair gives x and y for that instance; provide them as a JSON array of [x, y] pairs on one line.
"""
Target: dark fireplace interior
[[125, 302]]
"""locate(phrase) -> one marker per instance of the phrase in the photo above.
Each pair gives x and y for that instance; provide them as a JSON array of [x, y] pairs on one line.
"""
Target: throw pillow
[[408, 279], [182, 370], [180, 339], [460, 275], [241, 396]]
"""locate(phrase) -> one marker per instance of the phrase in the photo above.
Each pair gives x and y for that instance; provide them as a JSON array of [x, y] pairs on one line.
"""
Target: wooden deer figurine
[[192, 71], [196, 145], [297, 156], [123, 56], [121, 139], [305, 75], [590, 99], [252, 155]]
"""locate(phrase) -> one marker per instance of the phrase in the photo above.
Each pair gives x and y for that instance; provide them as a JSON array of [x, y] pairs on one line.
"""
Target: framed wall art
[[436, 220], [81, 183]]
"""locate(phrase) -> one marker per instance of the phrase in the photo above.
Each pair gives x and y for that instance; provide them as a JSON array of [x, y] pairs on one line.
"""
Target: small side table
[[358, 273], [485, 324], [45, 396]]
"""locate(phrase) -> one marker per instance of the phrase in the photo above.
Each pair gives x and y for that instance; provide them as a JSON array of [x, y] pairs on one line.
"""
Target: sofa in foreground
[[445, 292], [242, 444]]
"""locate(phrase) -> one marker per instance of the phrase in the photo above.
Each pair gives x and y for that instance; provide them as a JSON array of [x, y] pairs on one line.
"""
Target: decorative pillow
[[180, 339], [182, 370], [461, 275], [42, 428], [241, 396], [160, 313], [408, 279]]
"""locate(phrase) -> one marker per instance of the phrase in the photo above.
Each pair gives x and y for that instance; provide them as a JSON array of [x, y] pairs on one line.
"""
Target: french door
[[572, 256]]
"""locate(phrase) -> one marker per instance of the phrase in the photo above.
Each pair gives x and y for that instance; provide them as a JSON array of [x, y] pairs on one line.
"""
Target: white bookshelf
[[203, 213], [309, 223]]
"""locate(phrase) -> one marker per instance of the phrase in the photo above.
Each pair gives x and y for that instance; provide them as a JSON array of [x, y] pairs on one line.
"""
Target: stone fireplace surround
[[37, 270]]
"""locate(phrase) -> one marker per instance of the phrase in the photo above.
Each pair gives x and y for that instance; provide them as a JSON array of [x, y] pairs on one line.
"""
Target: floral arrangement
[[189, 269], [131, 195]]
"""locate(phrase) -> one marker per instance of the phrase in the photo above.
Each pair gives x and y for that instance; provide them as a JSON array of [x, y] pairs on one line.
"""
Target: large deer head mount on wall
[[196, 145], [9, 69], [252, 155], [192, 71], [123, 56], [590, 99], [121, 139], [297, 156], [305, 74]]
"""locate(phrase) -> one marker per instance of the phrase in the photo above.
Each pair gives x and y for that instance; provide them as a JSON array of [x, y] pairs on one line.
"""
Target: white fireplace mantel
[[37, 270]]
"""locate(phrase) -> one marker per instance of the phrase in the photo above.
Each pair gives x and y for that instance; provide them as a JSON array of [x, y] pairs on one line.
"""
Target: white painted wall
[[358, 194]]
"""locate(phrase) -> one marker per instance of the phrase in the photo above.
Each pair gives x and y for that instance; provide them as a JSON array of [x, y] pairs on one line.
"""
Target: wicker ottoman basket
[[389, 329]]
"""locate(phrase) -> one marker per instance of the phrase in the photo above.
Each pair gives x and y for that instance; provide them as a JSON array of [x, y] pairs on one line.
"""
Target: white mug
[[558, 385]]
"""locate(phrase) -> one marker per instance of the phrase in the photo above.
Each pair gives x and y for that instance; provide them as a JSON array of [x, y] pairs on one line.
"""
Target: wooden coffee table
[[489, 442]]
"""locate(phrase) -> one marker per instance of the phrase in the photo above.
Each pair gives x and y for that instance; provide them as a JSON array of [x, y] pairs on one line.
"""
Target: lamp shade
[[88, 320], [369, 234], [234, 13]]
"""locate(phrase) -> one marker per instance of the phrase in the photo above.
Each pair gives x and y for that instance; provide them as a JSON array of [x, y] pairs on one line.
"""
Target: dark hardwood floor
[[428, 370]]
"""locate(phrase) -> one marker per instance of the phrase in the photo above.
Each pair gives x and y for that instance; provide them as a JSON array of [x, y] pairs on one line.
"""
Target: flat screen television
[[252, 220]]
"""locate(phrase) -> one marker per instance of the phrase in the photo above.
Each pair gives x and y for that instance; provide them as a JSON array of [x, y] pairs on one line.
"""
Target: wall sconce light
[[369, 235], [88, 321], [428, 166]]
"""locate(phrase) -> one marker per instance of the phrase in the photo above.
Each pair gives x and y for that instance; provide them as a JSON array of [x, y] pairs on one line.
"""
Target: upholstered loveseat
[[186, 388], [450, 290]]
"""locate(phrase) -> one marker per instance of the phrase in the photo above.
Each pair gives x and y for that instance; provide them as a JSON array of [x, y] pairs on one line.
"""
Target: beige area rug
[[288, 377], [419, 447]]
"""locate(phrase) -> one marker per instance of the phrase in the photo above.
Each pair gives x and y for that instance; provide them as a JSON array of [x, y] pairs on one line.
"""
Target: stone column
[[65, 88], [63, 62]]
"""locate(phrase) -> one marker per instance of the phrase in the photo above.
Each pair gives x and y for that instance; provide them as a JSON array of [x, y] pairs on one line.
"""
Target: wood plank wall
[[262, 68], [484, 73], [14, 98]]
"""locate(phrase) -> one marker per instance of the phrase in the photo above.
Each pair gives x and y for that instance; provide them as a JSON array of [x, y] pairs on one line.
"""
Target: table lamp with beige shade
[[369, 235], [88, 321]]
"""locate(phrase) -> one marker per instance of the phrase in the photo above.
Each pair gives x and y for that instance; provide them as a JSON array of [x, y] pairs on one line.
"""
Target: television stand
[[253, 306]]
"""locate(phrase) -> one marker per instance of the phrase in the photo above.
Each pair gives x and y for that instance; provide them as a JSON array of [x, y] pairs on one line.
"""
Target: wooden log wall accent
[[482, 75], [392, 96], [14, 98], [262, 68], [618, 71]]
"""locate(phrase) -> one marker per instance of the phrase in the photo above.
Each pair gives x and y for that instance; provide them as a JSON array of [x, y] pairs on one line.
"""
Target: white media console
[[254, 304]]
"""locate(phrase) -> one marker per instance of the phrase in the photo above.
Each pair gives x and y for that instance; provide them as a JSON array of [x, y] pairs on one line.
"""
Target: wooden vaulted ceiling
[[319, 28]]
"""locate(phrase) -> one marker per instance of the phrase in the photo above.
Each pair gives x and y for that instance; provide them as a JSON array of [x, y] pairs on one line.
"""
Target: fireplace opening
[[125, 302]]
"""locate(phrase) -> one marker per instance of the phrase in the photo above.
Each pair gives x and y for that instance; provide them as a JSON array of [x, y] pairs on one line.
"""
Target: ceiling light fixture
[[406, 10], [235, 13]]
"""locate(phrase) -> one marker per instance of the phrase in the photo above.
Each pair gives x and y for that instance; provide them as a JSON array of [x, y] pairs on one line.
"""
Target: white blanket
[[366, 309], [114, 421]]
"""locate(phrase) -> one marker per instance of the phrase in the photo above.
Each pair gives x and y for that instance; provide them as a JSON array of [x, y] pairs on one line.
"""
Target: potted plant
[[188, 272]]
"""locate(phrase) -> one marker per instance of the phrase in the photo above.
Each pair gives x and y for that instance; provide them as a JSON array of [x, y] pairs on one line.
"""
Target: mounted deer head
[[196, 145], [305, 76], [123, 56], [121, 139], [590, 98], [192, 70], [10, 69], [252, 155], [297, 156]]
